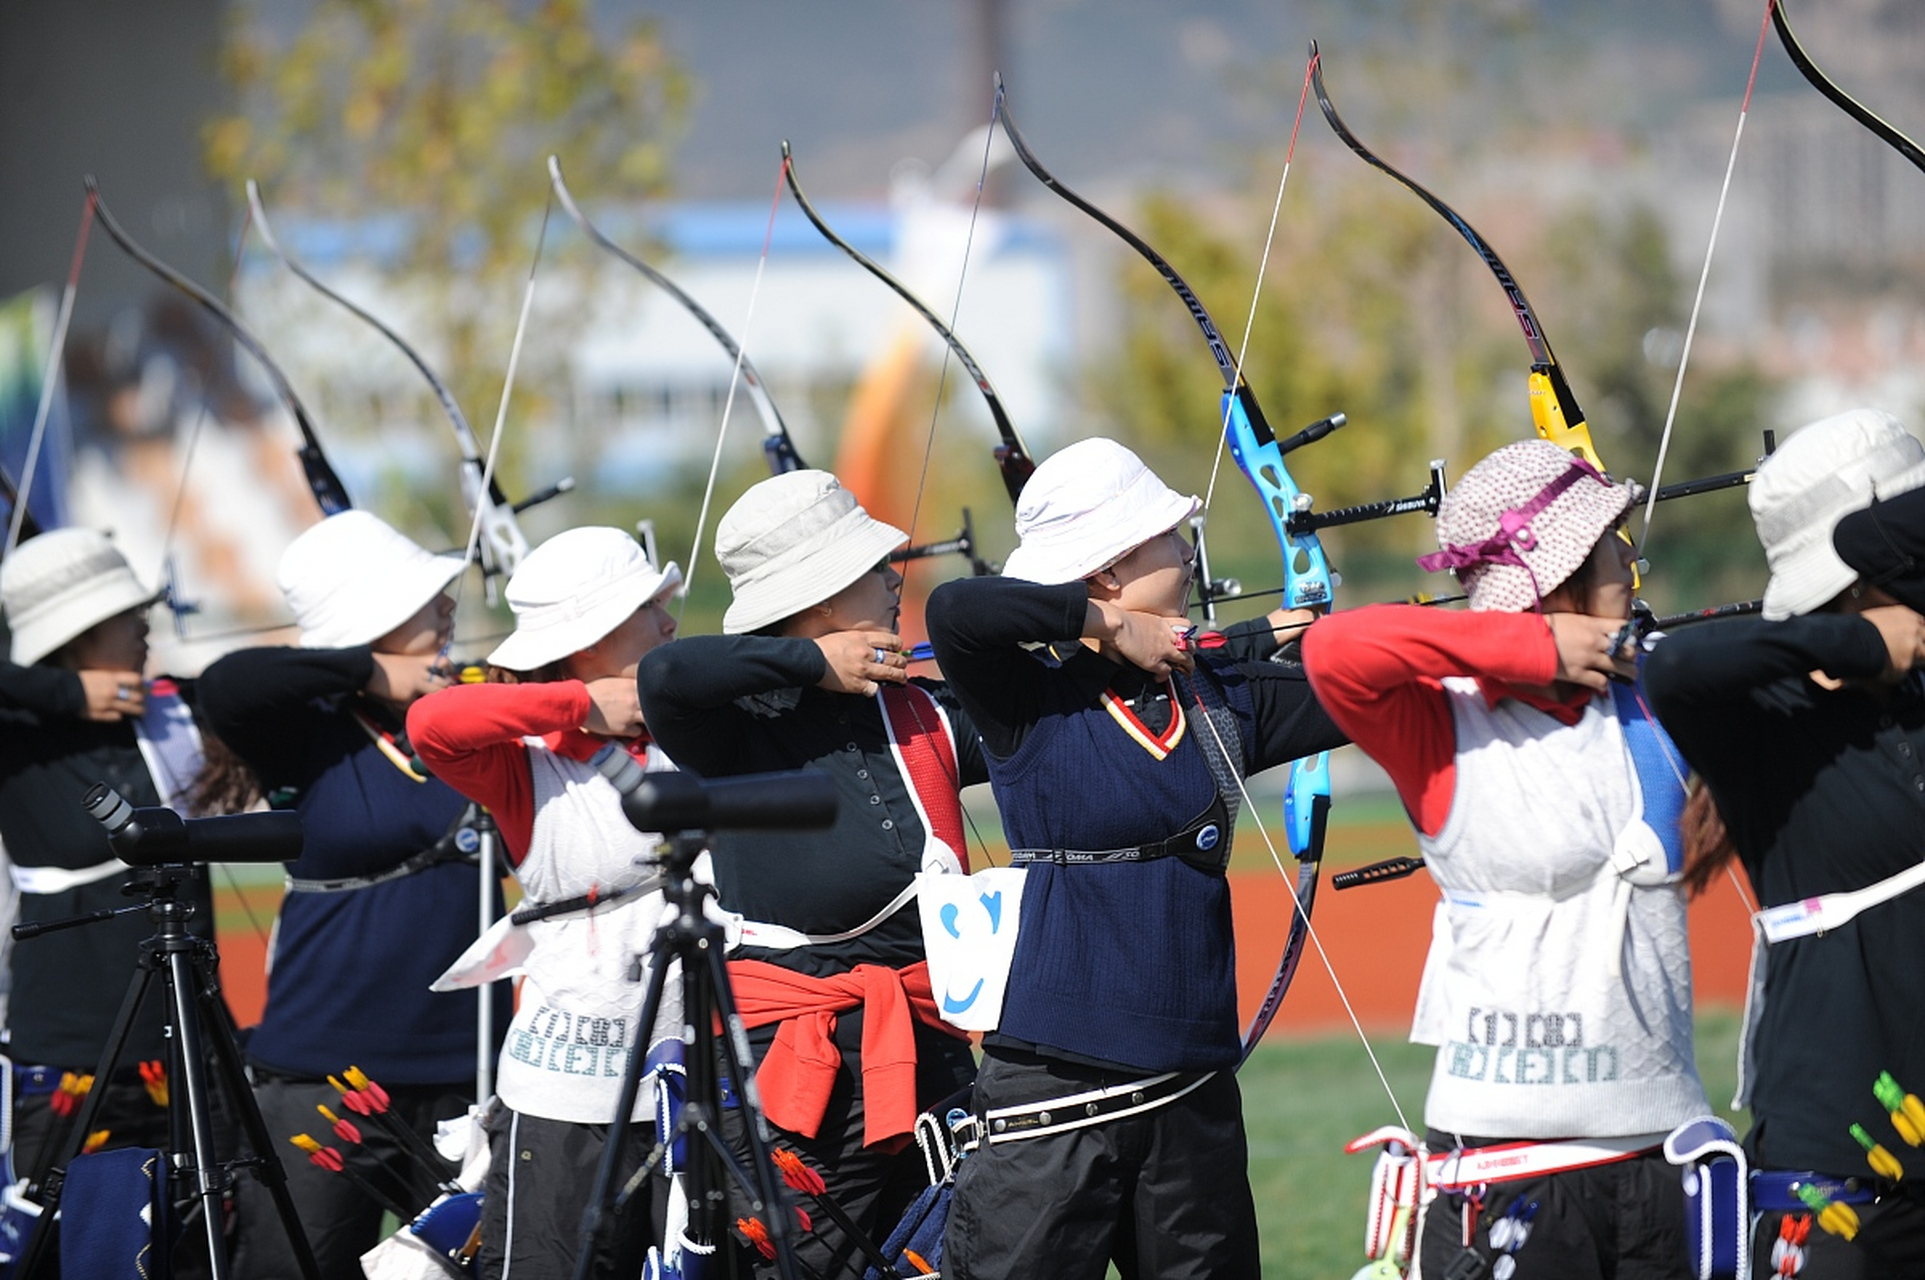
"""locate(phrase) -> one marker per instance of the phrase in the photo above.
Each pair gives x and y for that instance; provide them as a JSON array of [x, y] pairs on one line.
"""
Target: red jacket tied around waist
[[800, 1068]]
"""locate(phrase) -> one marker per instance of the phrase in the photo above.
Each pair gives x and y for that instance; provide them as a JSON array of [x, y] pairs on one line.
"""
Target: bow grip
[[329, 493], [1307, 576], [1547, 414], [1306, 805]]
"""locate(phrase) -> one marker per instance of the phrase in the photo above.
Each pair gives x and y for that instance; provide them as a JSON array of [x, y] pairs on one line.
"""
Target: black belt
[[1080, 1110], [1204, 844]]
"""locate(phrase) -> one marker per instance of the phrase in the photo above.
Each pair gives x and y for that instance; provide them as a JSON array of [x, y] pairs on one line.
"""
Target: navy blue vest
[[1132, 963]]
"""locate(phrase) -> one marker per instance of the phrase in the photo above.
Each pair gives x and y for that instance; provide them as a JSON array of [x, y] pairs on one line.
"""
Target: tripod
[[197, 1019], [698, 942]]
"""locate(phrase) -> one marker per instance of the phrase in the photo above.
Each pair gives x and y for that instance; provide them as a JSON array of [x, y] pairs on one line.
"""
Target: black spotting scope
[[158, 836], [799, 800]]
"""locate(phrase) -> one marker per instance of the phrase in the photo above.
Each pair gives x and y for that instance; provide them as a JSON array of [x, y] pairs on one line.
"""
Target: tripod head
[[158, 890]]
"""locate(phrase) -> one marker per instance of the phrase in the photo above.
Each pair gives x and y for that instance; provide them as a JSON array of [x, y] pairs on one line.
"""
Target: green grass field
[[1302, 1100]]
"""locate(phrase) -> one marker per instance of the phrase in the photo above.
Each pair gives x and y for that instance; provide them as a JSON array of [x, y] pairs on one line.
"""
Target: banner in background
[[26, 327]]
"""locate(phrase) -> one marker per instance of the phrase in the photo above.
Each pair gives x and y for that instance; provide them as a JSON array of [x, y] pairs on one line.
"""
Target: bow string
[[1013, 458], [20, 521]]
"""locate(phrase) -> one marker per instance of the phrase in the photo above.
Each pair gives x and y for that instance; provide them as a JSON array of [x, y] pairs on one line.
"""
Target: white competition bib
[[969, 932]]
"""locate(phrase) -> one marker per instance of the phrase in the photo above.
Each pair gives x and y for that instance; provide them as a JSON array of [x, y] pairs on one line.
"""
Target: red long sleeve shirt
[[471, 735], [1379, 672]]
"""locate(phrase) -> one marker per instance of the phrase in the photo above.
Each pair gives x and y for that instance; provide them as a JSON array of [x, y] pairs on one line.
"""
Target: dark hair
[[548, 673], [225, 783], [1707, 844]]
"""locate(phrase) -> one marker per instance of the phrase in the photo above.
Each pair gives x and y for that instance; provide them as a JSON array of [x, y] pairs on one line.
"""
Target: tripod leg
[[54, 1174], [754, 1128], [227, 1060], [209, 1176], [597, 1217], [490, 878]]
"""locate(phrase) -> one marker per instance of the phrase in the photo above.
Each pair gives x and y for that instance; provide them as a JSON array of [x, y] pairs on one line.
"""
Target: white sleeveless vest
[[1557, 988], [568, 1044]]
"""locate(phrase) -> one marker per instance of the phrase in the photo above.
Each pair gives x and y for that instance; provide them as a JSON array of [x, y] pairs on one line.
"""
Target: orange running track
[[1376, 936]]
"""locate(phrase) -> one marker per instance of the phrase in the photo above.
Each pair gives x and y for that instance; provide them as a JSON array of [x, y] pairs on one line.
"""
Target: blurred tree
[[443, 112], [1615, 277]]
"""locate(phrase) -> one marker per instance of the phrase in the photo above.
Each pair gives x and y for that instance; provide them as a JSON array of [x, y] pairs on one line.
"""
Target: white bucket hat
[[56, 586], [793, 541], [1522, 521], [1821, 474], [1086, 507], [352, 578], [574, 589]]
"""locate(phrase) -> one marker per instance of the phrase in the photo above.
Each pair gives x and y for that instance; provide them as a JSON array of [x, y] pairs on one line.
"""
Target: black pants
[[541, 1174], [873, 1186], [1622, 1221], [342, 1222], [1890, 1244], [43, 1138], [1164, 1194]]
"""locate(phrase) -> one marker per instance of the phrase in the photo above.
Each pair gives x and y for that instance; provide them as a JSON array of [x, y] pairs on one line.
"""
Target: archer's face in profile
[[1607, 576], [620, 652], [425, 633], [870, 603], [117, 644], [1155, 576]]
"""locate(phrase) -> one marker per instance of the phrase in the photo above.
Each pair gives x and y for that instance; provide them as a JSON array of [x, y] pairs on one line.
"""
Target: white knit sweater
[[1537, 1036], [568, 1044]]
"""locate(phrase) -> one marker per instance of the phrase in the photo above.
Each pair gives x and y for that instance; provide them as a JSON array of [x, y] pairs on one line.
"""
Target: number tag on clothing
[[969, 932]]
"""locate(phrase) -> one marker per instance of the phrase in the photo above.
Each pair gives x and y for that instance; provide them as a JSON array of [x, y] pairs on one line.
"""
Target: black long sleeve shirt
[[728, 705], [352, 968], [1822, 792], [977, 625], [67, 986]]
